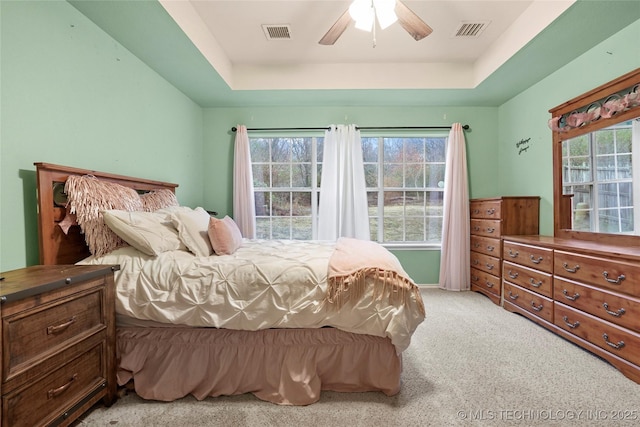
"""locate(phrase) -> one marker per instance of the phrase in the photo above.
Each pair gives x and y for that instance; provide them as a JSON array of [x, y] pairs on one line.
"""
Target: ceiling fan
[[364, 13]]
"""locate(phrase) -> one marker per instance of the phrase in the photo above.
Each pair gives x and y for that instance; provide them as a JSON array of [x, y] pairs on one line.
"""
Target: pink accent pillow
[[225, 235]]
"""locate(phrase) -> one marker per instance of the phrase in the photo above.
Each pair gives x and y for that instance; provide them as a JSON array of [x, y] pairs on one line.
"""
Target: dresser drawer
[[485, 281], [529, 301], [530, 256], [485, 245], [56, 392], [618, 309], [488, 209], [32, 335], [611, 274], [485, 263], [615, 339], [536, 281], [486, 227]]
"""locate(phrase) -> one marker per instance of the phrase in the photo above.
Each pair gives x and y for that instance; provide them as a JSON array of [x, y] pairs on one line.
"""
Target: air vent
[[468, 29], [277, 32]]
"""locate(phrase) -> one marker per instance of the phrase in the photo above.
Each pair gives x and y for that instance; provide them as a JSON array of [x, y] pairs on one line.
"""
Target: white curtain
[[343, 197], [244, 211], [454, 258]]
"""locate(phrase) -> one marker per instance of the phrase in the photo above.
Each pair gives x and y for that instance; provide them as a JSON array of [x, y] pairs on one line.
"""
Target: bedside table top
[[24, 282]]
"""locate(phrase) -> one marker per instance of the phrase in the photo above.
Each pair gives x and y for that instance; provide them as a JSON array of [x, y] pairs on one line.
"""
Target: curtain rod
[[465, 127]]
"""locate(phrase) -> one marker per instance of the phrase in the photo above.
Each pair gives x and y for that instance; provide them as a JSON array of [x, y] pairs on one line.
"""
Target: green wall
[[525, 116], [482, 140], [73, 96]]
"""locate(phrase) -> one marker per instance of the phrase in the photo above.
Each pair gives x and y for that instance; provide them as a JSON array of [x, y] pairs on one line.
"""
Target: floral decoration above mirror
[[604, 108]]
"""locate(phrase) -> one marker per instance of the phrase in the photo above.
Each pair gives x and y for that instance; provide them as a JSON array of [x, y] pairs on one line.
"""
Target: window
[[404, 177], [597, 170]]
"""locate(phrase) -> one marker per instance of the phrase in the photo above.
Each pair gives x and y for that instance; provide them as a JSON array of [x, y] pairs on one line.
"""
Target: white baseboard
[[427, 285]]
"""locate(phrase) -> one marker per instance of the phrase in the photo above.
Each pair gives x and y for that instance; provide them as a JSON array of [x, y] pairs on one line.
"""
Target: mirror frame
[[562, 212]]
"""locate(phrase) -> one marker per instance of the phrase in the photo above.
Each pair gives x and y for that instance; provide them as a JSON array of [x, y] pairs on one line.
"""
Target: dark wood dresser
[[58, 343], [587, 292], [490, 219]]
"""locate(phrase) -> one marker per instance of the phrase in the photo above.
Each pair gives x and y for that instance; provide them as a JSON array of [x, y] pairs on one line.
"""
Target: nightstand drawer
[[532, 302], [33, 335], [46, 399], [486, 227], [534, 280]]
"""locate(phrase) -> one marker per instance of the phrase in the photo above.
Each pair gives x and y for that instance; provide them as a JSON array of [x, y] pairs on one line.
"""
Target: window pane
[[262, 203], [392, 175], [626, 220], [605, 142], [624, 167], [414, 176], [414, 150], [435, 175], [301, 228], [370, 149], [281, 228], [414, 229], [414, 203], [281, 150], [263, 228], [301, 204], [393, 204], [393, 229], [259, 149], [371, 175], [261, 175], [392, 150], [434, 229], [301, 175], [281, 204], [436, 149], [301, 150], [281, 175]]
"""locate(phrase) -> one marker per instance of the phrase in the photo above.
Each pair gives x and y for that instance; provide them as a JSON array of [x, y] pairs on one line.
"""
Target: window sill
[[412, 246]]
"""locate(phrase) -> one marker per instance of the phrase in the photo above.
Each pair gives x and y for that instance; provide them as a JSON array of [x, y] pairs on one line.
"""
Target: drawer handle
[[476, 262], [476, 228], [513, 297], [617, 346], [491, 211], [476, 245], [52, 330], [489, 266], [569, 324], [513, 254], [490, 229], [475, 278], [476, 211], [512, 274], [489, 284], [616, 281], [571, 270], [570, 298], [534, 283], [490, 248], [55, 392], [618, 313], [536, 260], [536, 307]]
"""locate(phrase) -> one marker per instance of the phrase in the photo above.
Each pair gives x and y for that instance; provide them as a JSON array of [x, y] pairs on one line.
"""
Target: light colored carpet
[[470, 363]]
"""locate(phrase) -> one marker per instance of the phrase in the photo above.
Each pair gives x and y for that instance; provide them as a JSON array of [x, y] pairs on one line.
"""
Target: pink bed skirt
[[283, 366]]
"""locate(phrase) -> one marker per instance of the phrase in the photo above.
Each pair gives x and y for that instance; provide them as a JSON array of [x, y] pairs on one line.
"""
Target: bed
[[281, 319]]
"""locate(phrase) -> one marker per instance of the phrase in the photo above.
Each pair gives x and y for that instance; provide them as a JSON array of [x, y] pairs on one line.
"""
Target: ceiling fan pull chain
[[374, 34]]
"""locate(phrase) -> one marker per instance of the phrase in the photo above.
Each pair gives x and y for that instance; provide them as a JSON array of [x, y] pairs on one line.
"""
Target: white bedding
[[264, 284]]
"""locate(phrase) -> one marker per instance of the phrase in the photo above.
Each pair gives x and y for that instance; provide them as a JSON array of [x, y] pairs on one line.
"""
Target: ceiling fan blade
[[336, 29], [411, 22]]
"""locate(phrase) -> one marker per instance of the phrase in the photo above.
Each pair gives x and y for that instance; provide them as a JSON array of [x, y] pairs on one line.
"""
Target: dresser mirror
[[596, 163]]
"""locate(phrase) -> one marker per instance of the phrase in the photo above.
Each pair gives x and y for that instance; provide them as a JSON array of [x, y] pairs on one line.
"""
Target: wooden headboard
[[56, 247]]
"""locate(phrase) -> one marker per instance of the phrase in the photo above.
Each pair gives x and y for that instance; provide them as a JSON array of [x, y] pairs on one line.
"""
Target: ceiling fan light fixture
[[385, 12], [362, 13]]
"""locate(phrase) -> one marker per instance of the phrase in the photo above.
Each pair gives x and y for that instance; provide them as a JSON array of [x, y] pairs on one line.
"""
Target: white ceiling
[[230, 36]]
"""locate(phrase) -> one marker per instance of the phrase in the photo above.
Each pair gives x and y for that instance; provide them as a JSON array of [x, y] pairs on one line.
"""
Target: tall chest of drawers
[[490, 219], [58, 343], [589, 294]]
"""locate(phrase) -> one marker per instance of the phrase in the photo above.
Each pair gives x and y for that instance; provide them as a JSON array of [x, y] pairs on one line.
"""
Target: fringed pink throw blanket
[[357, 264]]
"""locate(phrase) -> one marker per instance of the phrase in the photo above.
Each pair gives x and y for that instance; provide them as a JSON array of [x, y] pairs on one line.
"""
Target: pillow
[[192, 226], [149, 232], [158, 199], [87, 197], [225, 235]]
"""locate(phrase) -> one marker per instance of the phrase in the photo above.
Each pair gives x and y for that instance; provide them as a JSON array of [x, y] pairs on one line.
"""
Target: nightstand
[[58, 343]]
